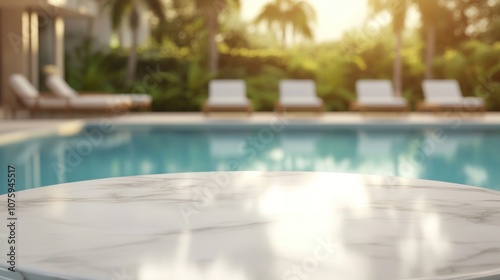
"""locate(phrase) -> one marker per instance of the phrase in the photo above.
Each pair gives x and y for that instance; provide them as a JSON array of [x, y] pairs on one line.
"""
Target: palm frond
[[157, 7], [296, 14], [270, 13]]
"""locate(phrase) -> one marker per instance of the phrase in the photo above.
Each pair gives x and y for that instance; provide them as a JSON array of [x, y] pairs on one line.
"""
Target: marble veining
[[257, 225]]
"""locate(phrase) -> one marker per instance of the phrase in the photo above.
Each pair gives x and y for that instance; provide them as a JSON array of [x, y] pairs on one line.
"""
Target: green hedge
[[178, 81]]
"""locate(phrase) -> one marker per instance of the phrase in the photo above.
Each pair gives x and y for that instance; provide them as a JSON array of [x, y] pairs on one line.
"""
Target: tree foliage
[[465, 47], [282, 15]]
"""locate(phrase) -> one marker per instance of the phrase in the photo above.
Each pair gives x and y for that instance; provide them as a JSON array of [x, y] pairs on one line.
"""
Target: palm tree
[[429, 12], [289, 13], [212, 10], [132, 8], [301, 14], [398, 10]]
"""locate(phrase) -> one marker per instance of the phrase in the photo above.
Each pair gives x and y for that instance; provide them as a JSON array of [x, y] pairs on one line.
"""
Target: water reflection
[[467, 157], [462, 157], [298, 151], [379, 151]]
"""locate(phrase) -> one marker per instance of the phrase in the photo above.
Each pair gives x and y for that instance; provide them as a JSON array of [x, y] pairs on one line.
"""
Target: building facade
[[33, 31]]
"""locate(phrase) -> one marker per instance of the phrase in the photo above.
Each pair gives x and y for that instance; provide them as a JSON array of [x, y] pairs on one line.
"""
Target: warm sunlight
[[333, 16], [250, 139]]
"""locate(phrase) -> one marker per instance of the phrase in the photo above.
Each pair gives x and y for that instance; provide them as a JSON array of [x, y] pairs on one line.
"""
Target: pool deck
[[257, 225], [12, 131], [490, 119]]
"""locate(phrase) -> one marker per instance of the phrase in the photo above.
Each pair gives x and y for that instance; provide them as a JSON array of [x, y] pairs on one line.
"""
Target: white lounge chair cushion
[[133, 99], [383, 102], [473, 101], [464, 102], [52, 103], [227, 102], [448, 93], [442, 91], [99, 102], [374, 89], [30, 95], [24, 89], [378, 93], [299, 93], [46, 103], [59, 87], [138, 99], [301, 101], [227, 93]]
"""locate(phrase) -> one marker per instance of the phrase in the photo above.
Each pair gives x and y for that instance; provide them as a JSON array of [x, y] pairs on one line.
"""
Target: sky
[[333, 16]]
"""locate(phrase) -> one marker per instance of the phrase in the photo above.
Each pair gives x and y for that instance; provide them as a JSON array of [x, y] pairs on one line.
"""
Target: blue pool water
[[461, 156]]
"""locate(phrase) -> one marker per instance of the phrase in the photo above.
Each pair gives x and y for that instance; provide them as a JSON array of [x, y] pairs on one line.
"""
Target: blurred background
[[170, 49]]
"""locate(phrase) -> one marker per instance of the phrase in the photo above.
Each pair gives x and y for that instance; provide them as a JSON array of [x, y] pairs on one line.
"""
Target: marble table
[[257, 225]]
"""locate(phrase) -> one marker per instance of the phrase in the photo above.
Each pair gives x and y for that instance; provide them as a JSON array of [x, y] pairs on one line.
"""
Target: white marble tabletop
[[257, 225]]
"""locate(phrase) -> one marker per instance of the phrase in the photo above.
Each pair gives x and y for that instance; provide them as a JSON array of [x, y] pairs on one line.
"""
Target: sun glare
[[334, 17]]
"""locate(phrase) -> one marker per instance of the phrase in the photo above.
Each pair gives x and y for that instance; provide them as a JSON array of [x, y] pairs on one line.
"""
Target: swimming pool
[[467, 156]]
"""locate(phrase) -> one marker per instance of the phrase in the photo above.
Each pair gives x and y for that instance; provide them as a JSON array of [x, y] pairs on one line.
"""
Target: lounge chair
[[60, 88], [299, 95], [377, 95], [227, 95], [29, 97], [446, 95]]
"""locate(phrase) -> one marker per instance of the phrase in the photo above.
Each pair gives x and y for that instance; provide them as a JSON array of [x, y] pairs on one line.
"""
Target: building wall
[[101, 30], [1, 60], [15, 47]]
